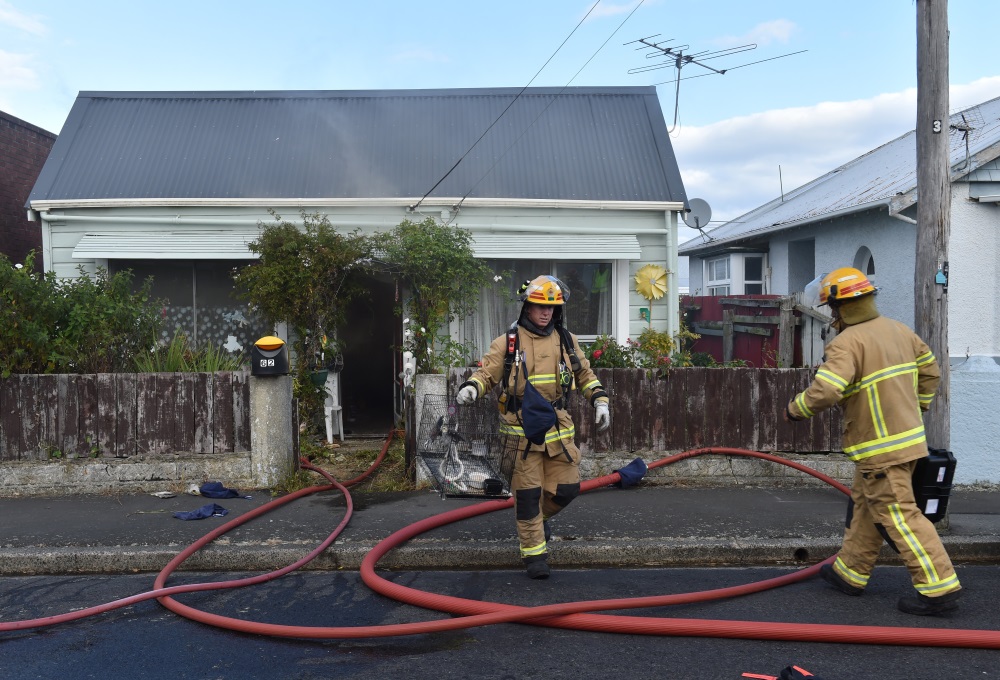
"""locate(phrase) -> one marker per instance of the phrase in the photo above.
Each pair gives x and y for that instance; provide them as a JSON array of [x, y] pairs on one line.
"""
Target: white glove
[[602, 415], [467, 395]]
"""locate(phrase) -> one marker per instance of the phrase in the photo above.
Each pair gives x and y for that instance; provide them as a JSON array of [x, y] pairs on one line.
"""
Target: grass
[[353, 457]]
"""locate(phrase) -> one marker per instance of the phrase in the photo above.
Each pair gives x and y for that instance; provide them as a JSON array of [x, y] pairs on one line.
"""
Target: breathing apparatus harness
[[513, 358]]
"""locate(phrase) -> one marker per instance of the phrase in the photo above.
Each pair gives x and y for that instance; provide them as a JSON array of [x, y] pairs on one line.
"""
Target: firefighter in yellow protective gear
[[883, 376], [540, 351]]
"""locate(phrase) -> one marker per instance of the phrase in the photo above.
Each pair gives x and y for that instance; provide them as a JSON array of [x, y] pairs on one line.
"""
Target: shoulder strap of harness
[[567, 341]]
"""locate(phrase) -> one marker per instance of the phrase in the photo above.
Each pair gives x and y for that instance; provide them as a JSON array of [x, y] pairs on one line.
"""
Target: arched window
[[865, 262]]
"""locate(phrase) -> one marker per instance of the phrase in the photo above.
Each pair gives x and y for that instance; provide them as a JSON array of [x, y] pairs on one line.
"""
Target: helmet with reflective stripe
[[544, 290], [846, 283]]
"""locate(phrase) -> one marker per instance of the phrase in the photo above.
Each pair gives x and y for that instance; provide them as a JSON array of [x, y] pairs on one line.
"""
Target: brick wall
[[23, 150]]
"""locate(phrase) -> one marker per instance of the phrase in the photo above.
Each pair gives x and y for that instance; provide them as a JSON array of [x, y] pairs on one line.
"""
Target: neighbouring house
[[23, 150], [580, 182], [863, 214]]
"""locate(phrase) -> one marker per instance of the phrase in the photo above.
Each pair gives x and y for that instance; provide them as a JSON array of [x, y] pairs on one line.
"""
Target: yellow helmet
[[544, 290], [843, 284]]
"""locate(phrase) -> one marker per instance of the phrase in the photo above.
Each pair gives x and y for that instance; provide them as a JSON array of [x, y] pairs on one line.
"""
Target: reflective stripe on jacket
[[542, 360], [883, 376]]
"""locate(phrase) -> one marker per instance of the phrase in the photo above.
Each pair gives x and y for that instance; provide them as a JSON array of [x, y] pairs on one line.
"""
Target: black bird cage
[[464, 450]]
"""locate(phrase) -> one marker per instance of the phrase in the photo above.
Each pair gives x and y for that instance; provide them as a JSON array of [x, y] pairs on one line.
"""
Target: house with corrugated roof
[[863, 214], [580, 182]]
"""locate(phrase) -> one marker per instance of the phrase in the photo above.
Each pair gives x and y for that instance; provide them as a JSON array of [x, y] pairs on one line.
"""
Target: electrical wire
[[497, 120], [552, 101]]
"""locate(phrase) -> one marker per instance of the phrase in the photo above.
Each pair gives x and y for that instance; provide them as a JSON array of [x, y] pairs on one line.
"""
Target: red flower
[[598, 353]]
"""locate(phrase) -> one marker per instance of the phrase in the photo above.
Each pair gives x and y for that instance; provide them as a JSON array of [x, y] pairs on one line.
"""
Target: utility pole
[[930, 290]]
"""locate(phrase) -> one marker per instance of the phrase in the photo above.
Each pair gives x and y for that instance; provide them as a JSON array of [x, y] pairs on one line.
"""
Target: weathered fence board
[[184, 408], [107, 417], [222, 414], [241, 404], [127, 404], [121, 415], [204, 415], [10, 420], [688, 408]]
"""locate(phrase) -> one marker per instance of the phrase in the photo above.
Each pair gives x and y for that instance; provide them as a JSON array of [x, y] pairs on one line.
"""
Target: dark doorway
[[368, 378]]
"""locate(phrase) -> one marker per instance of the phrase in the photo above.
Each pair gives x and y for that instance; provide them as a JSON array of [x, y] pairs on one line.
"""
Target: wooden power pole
[[930, 290]]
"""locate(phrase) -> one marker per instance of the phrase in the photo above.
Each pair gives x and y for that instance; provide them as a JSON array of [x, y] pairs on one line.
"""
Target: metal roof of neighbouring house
[[574, 143], [885, 177]]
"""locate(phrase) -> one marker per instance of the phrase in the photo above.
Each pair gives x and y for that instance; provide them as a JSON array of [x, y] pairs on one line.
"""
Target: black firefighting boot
[[547, 529], [921, 605], [833, 578], [537, 566]]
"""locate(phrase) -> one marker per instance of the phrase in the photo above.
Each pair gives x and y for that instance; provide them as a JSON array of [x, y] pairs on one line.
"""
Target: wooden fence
[[123, 414], [688, 408], [766, 331]]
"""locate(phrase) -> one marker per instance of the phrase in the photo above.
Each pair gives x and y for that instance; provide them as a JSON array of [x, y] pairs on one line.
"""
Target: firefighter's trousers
[[883, 507], [543, 484]]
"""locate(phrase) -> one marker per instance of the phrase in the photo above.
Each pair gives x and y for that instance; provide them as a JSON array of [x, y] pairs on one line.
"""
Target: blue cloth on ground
[[210, 510], [632, 473], [216, 490]]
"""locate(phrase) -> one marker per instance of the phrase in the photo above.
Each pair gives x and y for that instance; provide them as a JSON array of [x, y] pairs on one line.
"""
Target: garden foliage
[[90, 324]]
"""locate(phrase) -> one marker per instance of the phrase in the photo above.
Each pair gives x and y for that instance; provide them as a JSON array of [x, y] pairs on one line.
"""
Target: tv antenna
[[679, 56]]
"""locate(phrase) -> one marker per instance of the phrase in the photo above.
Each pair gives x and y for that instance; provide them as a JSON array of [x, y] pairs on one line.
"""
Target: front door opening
[[370, 337]]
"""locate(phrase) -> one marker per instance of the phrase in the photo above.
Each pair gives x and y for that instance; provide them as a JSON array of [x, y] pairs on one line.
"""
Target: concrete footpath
[[650, 525]]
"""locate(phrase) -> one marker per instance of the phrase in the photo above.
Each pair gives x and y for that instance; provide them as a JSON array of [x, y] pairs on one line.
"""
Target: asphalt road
[[149, 642]]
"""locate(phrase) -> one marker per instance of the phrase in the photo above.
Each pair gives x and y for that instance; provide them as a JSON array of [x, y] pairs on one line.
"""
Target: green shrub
[[83, 325], [702, 359], [653, 349], [605, 352], [444, 277]]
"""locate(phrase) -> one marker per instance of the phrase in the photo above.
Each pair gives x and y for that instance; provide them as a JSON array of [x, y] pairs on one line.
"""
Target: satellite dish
[[699, 214]]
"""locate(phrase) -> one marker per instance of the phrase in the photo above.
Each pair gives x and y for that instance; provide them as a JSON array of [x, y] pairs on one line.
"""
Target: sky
[[834, 80]]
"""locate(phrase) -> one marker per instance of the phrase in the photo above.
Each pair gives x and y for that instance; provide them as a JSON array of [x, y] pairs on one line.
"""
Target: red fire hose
[[572, 615]]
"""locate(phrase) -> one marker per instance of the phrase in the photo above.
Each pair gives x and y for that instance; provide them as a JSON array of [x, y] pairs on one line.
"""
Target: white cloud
[[777, 31], [16, 73], [733, 164], [19, 20]]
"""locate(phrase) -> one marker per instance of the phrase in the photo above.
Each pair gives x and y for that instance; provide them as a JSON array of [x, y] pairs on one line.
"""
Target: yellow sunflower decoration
[[651, 282]]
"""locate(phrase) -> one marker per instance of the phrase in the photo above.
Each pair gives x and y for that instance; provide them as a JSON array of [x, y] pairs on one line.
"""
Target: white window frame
[[735, 282], [763, 273], [718, 286]]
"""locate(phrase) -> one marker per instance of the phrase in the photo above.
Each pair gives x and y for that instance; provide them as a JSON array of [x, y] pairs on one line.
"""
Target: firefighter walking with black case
[[883, 376]]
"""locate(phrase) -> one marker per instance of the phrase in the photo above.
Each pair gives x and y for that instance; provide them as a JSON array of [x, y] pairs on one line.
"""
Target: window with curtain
[[588, 312], [199, 300]]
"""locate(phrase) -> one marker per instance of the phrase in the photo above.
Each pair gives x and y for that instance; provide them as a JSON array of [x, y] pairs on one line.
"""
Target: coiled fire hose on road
[[571, 615]]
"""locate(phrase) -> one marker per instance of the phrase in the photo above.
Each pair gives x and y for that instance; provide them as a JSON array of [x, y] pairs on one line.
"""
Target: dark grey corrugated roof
[[585, 143]]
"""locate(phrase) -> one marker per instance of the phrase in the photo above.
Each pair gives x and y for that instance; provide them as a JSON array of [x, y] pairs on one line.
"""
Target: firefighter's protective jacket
[[883, 376], [545, 363]]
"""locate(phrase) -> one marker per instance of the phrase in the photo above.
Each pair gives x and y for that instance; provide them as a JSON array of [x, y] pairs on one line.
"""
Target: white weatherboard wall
[[974, 281], [975, 427], [653, 226]]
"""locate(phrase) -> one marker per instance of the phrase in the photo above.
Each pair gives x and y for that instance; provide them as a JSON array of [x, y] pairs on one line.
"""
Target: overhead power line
[[551, 101], [516, 97]]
